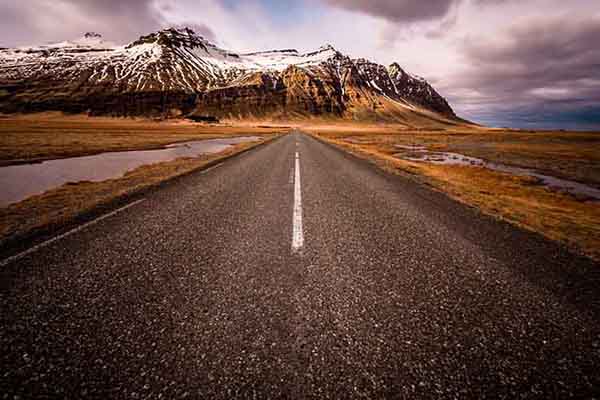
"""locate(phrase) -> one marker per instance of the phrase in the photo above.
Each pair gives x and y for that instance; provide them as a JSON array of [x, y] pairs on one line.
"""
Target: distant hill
[[175, 72]]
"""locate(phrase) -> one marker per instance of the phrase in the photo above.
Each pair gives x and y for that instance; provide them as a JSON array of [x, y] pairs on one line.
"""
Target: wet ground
[[421, 154], [21, 181]]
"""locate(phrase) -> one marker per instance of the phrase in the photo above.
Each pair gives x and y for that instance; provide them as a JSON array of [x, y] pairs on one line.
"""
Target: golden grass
[[572, 155], [515, 199], [61, 205], [52, 135], [569, 155]]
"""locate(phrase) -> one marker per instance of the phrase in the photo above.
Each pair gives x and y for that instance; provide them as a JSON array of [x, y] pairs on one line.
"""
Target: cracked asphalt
[[399, 292]]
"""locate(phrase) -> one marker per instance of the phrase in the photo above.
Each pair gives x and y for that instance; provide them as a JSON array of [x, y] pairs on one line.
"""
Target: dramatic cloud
[[398, 10], [31, 21], [538, 67], [200, 29], [540, 51], [501, 62]]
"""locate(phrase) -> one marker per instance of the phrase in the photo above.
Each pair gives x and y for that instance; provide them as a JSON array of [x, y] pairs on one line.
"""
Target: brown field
[[59, 206], [519, 200], [569, 155], [53, 135]]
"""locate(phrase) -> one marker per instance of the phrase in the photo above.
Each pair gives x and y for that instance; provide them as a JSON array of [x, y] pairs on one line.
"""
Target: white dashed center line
[[297, 234]]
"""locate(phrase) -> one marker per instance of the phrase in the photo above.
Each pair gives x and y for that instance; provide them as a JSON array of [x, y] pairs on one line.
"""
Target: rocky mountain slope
[[177, 72]]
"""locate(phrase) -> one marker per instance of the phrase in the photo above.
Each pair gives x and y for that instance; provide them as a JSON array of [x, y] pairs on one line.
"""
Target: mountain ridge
[[175, 72]]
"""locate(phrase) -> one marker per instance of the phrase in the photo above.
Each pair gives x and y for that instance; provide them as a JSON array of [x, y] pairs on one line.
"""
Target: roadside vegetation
[[521, 200], [38, 137], [47, 137], [573, 220]]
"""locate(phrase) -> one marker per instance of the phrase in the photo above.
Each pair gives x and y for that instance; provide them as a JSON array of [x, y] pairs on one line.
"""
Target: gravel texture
[[400, 292]]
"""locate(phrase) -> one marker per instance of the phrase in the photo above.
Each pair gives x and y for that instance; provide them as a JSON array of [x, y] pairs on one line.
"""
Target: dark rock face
[[176, 72], [293, 92], [203, 118], [418, 91], [166, 104], [172, 38], [92, 35]]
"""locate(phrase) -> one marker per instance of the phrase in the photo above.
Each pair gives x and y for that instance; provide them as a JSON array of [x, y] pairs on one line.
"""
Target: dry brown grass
[[572, 155], [569, 155], [515, 199], [59, 206], [52, 135]]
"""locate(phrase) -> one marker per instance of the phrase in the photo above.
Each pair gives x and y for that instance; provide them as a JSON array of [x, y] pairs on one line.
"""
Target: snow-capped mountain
[[175, 72]]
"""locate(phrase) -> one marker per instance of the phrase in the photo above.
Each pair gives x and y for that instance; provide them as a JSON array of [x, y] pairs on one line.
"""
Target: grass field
[[53, 135], [48, 136], [519, 200]]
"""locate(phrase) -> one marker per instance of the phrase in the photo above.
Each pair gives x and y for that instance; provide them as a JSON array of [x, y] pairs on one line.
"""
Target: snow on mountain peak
[[327, 47], [284, 51], [398, 73], [174, 37], [90, 39], [179, 60], [395, 67], [90, 35]]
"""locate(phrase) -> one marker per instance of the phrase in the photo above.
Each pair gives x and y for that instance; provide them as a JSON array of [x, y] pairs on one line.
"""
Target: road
[[298, 271]]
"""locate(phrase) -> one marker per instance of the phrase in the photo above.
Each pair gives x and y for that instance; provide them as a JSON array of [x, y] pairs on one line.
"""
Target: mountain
[[176, 72]]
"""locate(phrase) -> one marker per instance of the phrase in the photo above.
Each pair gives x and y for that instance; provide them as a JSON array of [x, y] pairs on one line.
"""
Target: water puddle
[[421, 154], [17, 182]]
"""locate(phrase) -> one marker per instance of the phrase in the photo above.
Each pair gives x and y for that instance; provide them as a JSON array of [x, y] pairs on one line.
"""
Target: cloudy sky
[[520, 63]]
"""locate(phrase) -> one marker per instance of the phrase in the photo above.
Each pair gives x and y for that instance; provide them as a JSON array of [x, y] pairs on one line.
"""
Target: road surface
[[298, 271]]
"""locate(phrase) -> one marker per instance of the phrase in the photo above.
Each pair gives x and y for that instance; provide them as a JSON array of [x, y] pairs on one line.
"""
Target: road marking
[[211, 168], [297, 234], [37, 247]]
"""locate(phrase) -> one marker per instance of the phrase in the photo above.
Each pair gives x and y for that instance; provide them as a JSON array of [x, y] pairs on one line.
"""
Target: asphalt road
[[204, 290]]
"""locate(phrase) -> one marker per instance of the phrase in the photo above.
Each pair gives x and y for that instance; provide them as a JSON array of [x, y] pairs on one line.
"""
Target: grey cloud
[[407, 10], [442, 29], [491, 2], [201, 29], [14, 26], [540, 66], [119, 20], [124, 19], [398, 10]]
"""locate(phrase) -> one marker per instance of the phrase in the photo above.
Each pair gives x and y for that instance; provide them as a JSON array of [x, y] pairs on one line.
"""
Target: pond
[[17, 182], [420, 153]]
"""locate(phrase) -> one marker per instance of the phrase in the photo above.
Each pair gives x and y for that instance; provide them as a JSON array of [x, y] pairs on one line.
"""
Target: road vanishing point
[[296, 270]]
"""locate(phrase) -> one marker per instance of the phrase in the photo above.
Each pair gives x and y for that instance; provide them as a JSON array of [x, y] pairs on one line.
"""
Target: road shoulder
[[516, 200], [57, 211]]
